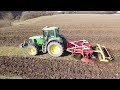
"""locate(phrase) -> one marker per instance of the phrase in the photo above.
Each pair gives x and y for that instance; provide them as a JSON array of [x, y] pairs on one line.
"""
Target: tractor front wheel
[[55, 49], [32, 50]]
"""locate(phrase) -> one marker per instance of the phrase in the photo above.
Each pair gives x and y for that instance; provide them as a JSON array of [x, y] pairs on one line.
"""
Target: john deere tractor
[[51, 41]]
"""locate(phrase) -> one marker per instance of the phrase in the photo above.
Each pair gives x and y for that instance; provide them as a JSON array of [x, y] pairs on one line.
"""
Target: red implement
[[86, 60], [82, 47]]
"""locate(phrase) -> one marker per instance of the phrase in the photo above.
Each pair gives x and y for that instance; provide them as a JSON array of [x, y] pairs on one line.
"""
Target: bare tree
[[8, 17]]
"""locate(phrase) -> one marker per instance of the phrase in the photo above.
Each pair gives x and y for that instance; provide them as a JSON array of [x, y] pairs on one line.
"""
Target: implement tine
[[103, 53]]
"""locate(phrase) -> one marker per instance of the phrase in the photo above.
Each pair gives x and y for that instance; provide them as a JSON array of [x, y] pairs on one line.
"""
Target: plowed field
[[102, 29]]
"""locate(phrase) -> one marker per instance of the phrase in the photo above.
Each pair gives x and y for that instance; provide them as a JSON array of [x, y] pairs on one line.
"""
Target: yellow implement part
[[103, 54]]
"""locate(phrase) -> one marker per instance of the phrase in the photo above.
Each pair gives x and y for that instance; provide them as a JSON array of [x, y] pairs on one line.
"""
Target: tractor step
[[44, 48]]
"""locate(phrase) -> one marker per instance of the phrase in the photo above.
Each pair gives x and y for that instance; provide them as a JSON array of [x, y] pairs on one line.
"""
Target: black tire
[[59, 46], [35, 50]]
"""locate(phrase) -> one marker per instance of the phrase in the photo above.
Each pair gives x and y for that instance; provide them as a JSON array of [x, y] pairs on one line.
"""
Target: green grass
[[17, 52], [12, 51]]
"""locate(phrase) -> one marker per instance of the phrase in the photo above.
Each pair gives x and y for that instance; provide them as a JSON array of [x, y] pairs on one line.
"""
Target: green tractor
[[51, 41]]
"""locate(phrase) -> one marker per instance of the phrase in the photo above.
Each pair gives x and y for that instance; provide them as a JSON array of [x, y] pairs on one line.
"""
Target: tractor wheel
[[32, 50], [55, 49]]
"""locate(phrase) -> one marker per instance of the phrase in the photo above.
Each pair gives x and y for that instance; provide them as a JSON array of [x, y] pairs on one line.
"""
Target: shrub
[[32, 14], [8, 16]]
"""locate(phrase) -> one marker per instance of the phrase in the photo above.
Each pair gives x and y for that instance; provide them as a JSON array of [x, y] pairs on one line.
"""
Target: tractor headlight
[[21, 45]]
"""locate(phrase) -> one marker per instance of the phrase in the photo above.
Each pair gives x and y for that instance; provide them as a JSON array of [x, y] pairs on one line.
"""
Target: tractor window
[[51, 33], [44, 33]]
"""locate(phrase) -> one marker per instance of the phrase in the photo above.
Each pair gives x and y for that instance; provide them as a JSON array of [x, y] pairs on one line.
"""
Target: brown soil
[[32, 68], [102, 29]]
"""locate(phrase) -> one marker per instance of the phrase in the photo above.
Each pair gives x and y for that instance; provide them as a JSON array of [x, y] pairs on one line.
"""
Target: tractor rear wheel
[[55, 49], [32, 50]]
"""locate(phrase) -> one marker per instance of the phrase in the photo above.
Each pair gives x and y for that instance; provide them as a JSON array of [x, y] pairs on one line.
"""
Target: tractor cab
[[50, 32]]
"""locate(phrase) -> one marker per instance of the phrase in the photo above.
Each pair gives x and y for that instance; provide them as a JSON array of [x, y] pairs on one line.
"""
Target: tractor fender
[[61, 42], [54, 39]]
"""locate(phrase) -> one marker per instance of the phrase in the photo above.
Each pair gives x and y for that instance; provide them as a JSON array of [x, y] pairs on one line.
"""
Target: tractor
[[56, 45], [51, 41]]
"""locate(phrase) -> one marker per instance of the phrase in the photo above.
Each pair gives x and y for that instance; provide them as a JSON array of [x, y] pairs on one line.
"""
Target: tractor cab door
[[51, 34], [45, 35], [48, 34]]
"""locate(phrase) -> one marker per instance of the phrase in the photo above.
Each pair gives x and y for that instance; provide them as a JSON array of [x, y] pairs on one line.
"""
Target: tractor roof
[[50, 28]]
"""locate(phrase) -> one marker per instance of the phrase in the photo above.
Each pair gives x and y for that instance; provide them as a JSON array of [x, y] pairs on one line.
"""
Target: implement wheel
[[55, 49], [32, 50]]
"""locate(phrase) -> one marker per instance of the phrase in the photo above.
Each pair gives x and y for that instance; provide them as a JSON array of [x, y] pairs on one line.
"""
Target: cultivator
[[86, 51]]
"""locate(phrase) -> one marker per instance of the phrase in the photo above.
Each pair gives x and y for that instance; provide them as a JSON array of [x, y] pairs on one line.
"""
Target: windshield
[[51, 33]]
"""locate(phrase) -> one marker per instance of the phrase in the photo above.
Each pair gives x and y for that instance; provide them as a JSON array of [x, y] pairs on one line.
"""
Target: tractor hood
[[35, 37]]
